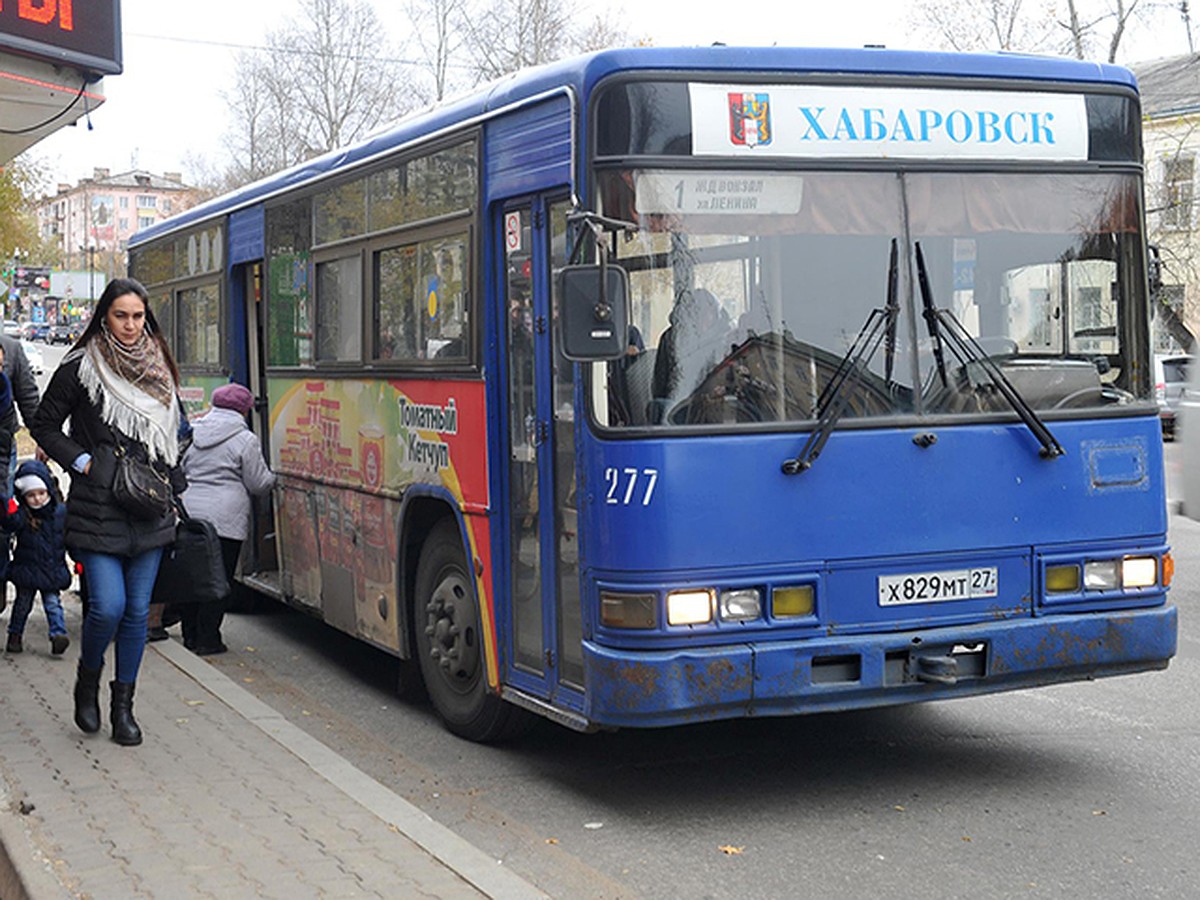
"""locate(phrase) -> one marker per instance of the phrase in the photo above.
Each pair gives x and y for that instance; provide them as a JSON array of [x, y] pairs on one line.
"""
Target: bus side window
[[420, 297]]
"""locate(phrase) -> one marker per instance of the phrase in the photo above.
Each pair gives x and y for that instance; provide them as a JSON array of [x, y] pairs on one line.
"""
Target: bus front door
[[545, 618]]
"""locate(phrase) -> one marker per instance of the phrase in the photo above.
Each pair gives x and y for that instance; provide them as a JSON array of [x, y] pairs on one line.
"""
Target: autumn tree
[[20, 183]]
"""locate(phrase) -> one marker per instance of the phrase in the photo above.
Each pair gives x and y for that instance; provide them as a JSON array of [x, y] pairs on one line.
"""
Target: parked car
[[63, 334], [12, 328], [39, 331], [1170, 382], [33, 353]]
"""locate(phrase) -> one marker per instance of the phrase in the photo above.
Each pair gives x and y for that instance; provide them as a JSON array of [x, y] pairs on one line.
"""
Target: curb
[[482, 871], [27, 873]]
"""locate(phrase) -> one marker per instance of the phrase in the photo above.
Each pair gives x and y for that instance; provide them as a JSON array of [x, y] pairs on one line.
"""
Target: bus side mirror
[[593, 312]]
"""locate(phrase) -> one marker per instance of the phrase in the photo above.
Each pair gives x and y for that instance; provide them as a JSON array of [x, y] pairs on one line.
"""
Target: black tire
[[409, 683], [449, 639]]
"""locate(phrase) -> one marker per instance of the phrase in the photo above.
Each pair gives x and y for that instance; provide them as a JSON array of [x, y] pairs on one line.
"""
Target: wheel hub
[[453, 631]]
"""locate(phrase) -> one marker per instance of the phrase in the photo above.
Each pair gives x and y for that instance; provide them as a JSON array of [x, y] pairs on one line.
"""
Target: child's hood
[[41, 470]]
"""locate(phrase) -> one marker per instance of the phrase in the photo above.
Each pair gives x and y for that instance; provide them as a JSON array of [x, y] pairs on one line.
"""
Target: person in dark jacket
[[695, 339], [119, 387], [7, 455], [224, 467], [25, 394], [8, 443], [39, 562], [24, 385]]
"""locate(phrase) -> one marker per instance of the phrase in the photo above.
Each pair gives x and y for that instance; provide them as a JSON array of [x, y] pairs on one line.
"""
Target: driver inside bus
[[694, 341]]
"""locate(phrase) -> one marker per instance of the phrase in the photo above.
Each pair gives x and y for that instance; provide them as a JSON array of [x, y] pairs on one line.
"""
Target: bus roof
[[583, 72]]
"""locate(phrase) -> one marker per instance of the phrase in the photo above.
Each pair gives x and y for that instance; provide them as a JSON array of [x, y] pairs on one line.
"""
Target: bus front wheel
[[449, 639]]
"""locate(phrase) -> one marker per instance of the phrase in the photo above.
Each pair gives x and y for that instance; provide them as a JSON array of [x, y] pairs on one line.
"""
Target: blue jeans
[[118, 589], [23, 605]]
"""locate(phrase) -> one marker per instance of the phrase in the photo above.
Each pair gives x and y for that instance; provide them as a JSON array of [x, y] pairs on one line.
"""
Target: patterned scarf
[[142, 364], [135, 392]]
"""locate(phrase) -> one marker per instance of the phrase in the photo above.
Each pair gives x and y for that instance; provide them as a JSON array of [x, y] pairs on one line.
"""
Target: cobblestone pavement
[[224, 799]]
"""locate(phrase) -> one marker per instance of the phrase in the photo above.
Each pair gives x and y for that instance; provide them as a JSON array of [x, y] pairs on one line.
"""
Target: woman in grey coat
[[224, 466]]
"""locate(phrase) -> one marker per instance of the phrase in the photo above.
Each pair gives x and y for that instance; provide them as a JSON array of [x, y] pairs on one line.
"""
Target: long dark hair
[[119, 287]]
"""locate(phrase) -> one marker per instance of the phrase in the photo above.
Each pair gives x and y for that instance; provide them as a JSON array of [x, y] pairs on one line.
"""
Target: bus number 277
[[630, 486]]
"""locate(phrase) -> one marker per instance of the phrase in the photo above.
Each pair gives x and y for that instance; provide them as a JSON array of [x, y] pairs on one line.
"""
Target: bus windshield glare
[[750, 287]]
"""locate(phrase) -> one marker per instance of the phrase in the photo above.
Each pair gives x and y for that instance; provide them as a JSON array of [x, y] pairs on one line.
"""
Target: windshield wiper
[[943, 323], [880, 326], [930, 314], [893, 307]]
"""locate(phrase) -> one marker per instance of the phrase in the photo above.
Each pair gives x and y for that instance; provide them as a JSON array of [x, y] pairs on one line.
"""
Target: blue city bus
[[659, 386]]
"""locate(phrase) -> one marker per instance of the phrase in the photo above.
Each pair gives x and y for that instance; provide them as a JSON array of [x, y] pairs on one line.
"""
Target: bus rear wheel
[[449, 638]]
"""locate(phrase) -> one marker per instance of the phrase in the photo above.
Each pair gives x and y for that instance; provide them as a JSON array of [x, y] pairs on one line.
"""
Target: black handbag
[[139, 488], [192, 569]]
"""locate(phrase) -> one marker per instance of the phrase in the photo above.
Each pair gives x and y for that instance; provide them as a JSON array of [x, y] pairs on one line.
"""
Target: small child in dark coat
[[39, 560]]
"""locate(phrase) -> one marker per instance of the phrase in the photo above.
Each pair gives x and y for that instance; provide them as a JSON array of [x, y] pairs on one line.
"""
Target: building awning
[[37, 99]]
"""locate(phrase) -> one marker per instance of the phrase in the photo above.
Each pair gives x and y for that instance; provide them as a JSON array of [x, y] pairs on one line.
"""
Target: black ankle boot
[[125, 730], [87, 698]]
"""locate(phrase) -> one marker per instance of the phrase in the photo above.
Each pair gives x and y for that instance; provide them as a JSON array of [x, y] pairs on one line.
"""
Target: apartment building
[[1170, 91], [92, 221]]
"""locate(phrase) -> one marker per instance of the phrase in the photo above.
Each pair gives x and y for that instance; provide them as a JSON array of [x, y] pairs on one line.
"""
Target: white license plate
[[938, 587]]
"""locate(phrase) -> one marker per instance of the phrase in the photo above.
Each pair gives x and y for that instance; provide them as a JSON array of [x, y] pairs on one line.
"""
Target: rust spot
[[1061, 647], [632, 684], [715, 679], [644, 678]]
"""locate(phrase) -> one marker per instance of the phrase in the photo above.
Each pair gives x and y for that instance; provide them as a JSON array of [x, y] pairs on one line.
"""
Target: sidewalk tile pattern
[[208, 806]]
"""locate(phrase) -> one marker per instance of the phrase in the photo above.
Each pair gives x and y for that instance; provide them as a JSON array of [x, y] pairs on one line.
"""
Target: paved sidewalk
[[224, 799]]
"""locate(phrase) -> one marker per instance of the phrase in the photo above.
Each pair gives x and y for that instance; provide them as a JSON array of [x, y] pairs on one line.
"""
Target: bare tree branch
[[322, 81], [1078, 28]]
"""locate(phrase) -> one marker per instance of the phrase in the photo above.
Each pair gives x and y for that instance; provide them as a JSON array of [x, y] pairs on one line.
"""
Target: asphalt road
[[1086, 790]]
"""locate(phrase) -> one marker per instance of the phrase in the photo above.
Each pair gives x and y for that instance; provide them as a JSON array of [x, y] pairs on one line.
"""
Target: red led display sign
[[85, 34]]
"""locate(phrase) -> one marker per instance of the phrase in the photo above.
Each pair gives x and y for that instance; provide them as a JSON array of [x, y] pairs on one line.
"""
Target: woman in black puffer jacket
[[119, 387]]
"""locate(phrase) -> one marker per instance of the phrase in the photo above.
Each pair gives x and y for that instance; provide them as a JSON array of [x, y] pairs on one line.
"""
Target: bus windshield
[[749, 289]]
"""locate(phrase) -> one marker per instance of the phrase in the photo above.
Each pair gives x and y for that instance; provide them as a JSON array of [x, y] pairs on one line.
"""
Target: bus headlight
[[628, 610], [1062, 579], [741, 605], [1102, 575], [790, 602], [689, 607], [1139, 572], [1108, 575]]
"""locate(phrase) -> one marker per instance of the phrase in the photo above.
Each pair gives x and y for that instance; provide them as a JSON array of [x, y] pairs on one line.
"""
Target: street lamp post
[[17, 255], [92, 273], [90, 249]]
